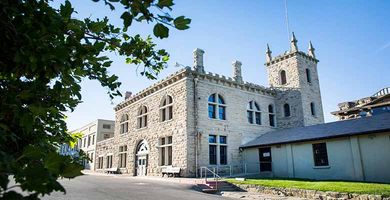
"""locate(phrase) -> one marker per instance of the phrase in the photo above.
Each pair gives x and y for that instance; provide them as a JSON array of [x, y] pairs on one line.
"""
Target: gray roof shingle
[[366, 125]]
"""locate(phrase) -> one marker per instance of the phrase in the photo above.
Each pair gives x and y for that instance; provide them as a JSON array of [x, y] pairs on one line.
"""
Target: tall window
[[253, 113], [166, 109], [271, 115], [93, 139], [100, 162], [283, 77], [308, 75], [320, 154], [122, 156], [124, 123], [217, 107], [142, 118], [217, 150], [109, 161], [313, 108], [286, 109], [166, 151]]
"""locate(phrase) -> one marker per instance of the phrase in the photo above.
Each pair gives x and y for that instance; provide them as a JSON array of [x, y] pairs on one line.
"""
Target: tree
[[45, 53]]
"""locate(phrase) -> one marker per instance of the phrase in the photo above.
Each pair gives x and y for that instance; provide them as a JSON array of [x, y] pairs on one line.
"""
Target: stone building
[[92, 133], [375, 104], [193, 119]]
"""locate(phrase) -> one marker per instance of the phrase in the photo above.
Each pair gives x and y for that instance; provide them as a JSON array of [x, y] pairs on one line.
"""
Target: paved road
[[95, 187]]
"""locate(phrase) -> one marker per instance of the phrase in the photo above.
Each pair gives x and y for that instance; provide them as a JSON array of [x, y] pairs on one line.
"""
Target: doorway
[[142, 158], [265, 159]]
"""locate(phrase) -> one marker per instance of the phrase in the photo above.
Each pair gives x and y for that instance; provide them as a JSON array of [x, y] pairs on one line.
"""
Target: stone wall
[[153, 132]]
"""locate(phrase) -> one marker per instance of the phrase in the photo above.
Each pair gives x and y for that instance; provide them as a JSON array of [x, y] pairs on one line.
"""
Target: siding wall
[[359, 158]]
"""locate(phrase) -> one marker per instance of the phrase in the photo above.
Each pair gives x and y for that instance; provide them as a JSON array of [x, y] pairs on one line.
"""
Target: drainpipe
[[196, 125]]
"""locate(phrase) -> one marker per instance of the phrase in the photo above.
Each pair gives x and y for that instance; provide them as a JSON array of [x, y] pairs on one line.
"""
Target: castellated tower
[[294, 77]]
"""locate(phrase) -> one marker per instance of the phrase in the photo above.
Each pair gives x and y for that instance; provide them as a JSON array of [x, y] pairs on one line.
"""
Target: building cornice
[[188, 72], [288, 55]]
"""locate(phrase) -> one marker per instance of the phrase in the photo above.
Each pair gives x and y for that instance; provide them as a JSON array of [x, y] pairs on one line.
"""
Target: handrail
[[216, 177]]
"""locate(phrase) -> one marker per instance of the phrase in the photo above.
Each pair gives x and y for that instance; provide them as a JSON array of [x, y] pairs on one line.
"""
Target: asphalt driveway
[[110, 187]]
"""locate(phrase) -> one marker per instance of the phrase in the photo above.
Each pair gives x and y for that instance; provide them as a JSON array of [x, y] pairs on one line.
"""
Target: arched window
[[142, 118], [313, 108], [308, 75], [283, 77], [253, 113], [166, 109], [286, 109], [217, 106], [124, 124], [271, 115]]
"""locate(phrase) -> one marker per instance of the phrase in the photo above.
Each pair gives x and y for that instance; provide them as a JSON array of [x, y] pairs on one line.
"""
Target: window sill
[[321, 167], [217, 119], [166, 121], [140, 129]]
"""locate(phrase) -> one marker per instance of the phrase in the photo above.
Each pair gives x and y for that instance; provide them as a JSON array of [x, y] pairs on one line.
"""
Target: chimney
[[128, 94], [198, 60], [237, 71]]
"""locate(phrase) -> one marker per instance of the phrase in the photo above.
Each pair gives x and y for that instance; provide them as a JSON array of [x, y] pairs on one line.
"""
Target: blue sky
[[352, 41]]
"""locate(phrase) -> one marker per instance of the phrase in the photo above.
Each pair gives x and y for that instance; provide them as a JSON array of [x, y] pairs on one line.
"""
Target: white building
[[92, 133], [356, 149]]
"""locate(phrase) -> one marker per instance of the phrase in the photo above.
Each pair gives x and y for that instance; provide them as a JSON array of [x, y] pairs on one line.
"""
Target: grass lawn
[[336, 186]]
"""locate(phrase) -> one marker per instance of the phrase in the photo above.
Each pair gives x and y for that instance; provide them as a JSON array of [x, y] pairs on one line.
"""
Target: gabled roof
[[366, 125]]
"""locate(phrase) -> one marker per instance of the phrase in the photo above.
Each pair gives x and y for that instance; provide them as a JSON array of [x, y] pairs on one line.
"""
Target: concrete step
[[222, 186]]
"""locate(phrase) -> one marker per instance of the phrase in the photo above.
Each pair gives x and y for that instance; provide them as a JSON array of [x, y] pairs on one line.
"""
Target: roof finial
[[311, 50], [268, 54], [293, 43]]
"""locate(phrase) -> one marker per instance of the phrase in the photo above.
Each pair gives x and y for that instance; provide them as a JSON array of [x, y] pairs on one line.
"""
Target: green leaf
[[165, 58], [165, 3], [53, 162], [32, 152], [72, 170], [160, 31], [127, 19], [182, 23], [66, 10]]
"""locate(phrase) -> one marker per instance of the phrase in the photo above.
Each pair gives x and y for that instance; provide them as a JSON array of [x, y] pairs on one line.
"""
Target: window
[[217, 104], [271, 115], [166, 109], [308, 75], [286, 109], [283, 78], [320, 154], [85, 142], [122, 156], [109, 161], [166, 151], [124, 124], [253, 113], [100, 162], [107, 126], [142, 118], [89, 140], [312, 109], [93, 139], [217, 150], [92, 158]]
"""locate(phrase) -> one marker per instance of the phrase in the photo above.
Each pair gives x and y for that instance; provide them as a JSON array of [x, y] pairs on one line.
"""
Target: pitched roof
[[366, 125]]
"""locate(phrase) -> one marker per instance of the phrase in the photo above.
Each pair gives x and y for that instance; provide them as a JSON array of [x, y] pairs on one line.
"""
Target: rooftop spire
[[311, 50], [293, 43], [268, 54]]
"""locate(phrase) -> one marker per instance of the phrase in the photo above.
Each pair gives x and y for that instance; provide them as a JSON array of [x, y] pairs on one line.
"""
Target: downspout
[[196, 125]]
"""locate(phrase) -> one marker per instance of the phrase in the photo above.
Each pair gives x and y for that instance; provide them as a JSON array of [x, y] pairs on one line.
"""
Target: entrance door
[[141, 171], [142, 158], [265, 159]]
